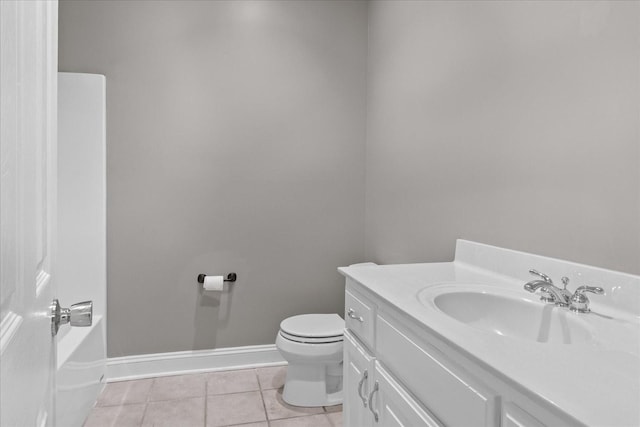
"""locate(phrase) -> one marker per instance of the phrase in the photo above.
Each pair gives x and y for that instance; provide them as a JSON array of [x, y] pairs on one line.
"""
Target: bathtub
[[81, 271], [80, 372]]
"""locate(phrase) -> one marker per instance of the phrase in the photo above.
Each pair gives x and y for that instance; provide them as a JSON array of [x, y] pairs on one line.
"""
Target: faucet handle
[[593, 289], [542, 276], [580, 302]]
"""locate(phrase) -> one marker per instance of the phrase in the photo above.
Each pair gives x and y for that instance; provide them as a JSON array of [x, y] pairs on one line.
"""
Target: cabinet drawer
[[451, 397], [359, 316]]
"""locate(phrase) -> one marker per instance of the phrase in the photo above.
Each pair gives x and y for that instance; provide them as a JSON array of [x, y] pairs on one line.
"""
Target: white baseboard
[[183, 362]]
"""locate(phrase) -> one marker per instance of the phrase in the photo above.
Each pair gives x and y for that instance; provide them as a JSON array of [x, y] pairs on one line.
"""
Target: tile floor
[[248, 397]]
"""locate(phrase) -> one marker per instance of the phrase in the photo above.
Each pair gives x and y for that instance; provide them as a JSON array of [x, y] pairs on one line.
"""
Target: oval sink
[[509, 314]]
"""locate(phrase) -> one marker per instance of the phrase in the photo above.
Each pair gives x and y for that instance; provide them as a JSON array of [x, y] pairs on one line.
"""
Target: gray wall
[[508, 123], [236, 142], [236, 135]]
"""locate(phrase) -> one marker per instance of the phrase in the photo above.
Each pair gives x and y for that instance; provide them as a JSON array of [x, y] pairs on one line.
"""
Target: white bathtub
[[81, 256], [81, 372]]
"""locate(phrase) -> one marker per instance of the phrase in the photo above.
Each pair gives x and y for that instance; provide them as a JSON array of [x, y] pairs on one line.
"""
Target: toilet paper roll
[[213, 283]]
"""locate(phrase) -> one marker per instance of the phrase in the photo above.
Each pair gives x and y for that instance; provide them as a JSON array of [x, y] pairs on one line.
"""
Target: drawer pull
[[375, 413], [365, 375], [352, 314]]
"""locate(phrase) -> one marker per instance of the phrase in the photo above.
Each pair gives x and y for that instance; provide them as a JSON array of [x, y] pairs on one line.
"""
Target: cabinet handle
[[375, 389], [352, 314], [365, 375]]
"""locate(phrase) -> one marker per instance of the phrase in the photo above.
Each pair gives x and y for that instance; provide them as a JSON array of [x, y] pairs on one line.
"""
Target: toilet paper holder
[[231, 277]]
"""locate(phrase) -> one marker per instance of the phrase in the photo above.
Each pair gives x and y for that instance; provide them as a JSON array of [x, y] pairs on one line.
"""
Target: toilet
[[312, 345]]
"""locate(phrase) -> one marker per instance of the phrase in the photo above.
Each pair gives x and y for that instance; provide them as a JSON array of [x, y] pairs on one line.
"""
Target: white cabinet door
[[358, 377], [394, 406], [28, 81]]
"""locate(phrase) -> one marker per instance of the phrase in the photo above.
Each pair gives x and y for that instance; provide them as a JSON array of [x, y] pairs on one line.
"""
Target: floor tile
[[174, 413], [232, 381], [333, 408], [272, 377], [237, 408], [335, 418], [124, 392], [178, 387], [277, 408], [320, 420], [116, 416]]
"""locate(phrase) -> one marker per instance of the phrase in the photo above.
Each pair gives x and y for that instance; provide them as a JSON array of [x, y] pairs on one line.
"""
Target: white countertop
[[596, 382]]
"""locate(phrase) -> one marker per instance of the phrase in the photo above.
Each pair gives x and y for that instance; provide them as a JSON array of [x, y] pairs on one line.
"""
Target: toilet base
[[311, 386]]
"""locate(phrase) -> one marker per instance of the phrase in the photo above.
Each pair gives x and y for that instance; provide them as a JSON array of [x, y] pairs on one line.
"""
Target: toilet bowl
[[312, 346]]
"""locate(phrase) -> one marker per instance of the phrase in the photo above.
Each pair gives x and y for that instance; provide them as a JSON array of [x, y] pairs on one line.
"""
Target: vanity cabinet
[[397, 374]]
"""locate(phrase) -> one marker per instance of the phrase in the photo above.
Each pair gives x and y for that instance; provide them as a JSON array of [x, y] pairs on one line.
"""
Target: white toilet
[[312, 344]]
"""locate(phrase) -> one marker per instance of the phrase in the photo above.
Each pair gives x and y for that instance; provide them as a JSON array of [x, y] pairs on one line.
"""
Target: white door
[[28, 80]]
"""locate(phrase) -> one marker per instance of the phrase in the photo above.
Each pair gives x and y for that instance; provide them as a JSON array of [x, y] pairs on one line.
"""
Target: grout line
[[226, 394], [153, 383], [264, 405], [121, 404], [206, 393], [146, 401], [144, 414], [179, 399]]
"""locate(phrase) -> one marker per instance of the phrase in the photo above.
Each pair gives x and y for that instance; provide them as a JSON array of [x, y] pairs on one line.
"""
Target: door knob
[[80, 314]]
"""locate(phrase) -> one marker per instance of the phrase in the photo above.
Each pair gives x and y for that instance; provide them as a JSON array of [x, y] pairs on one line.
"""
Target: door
[[28, 81], [357, 381]]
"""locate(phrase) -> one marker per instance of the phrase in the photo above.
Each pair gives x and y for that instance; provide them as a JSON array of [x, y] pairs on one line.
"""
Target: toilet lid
[[313, 325]]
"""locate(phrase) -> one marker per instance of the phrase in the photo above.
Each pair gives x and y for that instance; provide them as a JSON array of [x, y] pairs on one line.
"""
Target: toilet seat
[[311, 340], [313, 328]]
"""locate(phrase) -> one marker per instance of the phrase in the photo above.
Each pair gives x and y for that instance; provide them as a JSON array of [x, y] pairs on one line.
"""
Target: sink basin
[[508, 313]]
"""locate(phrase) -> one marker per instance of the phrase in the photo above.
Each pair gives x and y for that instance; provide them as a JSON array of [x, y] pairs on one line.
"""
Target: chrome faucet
[[550, 292], [577, 301]]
